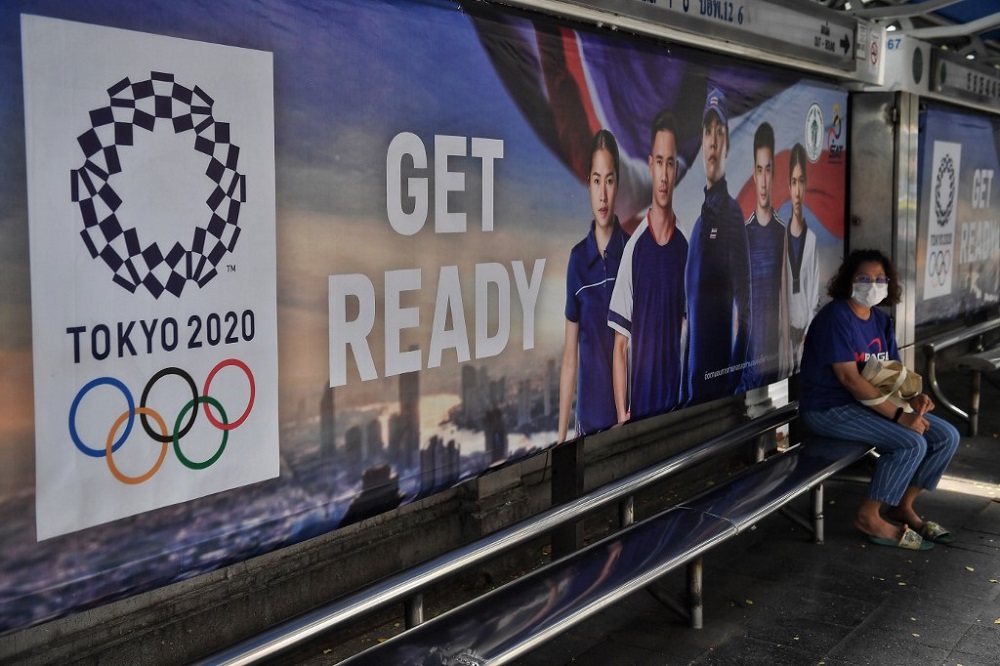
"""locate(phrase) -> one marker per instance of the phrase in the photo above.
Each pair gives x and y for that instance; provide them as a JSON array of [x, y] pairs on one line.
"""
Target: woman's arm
[[567, 376], [849, 377]]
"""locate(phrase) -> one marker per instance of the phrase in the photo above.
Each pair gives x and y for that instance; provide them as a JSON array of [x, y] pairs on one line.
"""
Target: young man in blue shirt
[[647, 304], [769, 346]]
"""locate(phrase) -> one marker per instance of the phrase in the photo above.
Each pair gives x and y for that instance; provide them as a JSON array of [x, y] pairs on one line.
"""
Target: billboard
[[958, 224], [153, 274], [284, 277]]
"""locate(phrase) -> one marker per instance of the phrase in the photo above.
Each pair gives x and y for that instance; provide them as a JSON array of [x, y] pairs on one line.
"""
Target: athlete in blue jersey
[[718, 272], [914, 447], [590, 278], [803, 263], [769, 343], [647, 305]]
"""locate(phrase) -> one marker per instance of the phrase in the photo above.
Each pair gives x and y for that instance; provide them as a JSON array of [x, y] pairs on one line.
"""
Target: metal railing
[[934, 346], [407, 586]]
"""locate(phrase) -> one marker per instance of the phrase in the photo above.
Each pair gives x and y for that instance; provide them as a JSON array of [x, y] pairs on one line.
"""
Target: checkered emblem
[[147, 106]]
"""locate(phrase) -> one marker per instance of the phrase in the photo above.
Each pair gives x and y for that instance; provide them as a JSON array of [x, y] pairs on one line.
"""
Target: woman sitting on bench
[[914, 447]]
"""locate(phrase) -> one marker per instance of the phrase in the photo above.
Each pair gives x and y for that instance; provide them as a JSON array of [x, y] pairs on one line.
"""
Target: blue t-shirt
[[718, 297], [590, 279], [767, 258], [837, 335], [647, 307]]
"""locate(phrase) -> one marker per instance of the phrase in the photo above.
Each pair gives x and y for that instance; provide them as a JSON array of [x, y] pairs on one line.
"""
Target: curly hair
[[842, 284]]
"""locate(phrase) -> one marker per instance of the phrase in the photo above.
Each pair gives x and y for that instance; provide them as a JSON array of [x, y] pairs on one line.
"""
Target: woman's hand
[[914, 421], [922, 404]]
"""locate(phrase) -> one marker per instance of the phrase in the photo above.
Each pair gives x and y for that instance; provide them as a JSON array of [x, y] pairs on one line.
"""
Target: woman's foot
[[877, 527], [906, 516]]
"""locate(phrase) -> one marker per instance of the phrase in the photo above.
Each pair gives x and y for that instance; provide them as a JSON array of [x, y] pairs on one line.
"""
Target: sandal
[[936, 533], [909, 541]]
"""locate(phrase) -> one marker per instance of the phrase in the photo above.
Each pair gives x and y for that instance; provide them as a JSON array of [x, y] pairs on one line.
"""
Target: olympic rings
[[164, 437], [187, 462], [253, 391], [145, 394], [133, 480], [100, 381], [939, 266]]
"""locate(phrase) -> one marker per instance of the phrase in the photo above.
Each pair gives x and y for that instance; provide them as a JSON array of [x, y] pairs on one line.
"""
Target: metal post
[[695, 600], [817, 507], [796, 431], [626, 511], [977, 381], [935, 390], [977, 384], [567, 485], [413, 608]]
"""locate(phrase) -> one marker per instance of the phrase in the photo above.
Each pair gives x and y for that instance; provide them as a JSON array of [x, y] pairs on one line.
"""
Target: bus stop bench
[[977, 362], [408, 586], [517, 617]]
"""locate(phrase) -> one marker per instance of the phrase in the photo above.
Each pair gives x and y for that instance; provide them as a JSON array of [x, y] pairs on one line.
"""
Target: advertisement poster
[[175, 314], [266, 279], [958, 232]]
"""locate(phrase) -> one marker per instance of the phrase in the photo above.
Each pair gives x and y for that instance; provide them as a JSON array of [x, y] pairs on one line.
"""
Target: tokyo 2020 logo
[[151, 212], [148, 106], [182, 423], [944, 190]]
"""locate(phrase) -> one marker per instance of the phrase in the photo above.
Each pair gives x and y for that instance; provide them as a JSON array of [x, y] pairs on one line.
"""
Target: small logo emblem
[[944, 190], [814, 132]]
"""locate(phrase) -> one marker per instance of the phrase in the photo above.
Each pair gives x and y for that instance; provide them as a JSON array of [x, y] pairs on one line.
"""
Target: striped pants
[[906, 458]]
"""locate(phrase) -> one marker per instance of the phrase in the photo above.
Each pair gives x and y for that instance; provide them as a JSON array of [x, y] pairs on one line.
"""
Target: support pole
[[413, 609], [626, 512], [819, 532], [567, 485], [695, 599]]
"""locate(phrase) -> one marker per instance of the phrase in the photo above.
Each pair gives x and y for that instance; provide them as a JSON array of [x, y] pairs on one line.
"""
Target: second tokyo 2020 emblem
[[944, 190]]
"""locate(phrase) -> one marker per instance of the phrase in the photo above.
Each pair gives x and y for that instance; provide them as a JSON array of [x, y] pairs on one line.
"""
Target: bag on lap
[[897, 383]]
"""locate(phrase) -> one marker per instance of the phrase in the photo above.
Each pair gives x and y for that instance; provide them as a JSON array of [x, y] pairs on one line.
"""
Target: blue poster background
[[975, 264], [347, 80]]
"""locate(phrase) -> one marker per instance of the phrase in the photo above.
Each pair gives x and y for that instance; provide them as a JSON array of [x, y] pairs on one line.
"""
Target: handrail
[[949, 339], [400, 586]]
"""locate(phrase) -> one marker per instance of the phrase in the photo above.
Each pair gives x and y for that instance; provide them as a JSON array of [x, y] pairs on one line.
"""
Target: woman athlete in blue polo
[[590, 279]]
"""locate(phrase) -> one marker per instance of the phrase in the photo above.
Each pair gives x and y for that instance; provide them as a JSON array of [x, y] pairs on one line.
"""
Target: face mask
[[869, 295]]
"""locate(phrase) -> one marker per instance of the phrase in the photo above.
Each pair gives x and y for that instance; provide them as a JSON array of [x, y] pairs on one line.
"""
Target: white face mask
[[869, 295]]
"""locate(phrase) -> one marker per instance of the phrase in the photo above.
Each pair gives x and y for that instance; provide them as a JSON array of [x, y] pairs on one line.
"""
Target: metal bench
[[407, 586], [978, 362], [513, 619]]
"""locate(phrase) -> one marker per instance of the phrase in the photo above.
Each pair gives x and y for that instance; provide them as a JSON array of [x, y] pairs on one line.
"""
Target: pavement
[[772, 596]]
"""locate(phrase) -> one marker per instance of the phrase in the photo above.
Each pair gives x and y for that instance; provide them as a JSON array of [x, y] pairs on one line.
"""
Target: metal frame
[[905, 228], [631, 16], [940, 343], [408, 586], [729, 520]]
